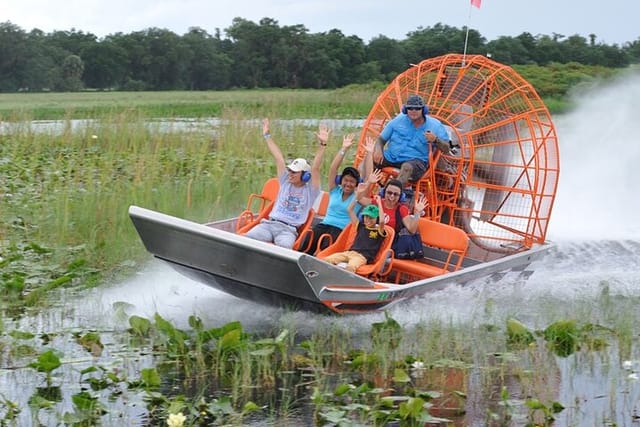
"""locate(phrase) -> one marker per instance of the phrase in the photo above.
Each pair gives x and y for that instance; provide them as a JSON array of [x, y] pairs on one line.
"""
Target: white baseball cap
[[299, 165]]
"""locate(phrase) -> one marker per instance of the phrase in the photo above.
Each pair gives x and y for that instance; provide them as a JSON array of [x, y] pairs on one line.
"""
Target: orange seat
[[323, 205], [344, 242], [390, 172], [452, 240], [249, 219], [265, 200], [305, 232]]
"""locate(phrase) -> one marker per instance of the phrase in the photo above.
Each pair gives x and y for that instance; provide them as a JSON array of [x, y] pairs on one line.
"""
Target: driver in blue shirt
[[406, 141]]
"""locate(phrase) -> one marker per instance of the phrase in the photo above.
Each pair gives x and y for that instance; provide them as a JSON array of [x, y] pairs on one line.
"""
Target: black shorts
[[419, 167]]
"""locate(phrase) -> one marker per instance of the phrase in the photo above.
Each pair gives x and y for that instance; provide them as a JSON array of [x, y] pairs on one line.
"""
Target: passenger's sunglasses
[[414, 108], [391, 193]]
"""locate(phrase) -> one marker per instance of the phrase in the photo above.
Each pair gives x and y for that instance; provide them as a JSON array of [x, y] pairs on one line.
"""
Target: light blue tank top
[[337, 212]]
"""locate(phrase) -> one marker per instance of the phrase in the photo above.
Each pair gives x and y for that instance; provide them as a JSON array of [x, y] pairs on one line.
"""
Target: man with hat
[[406, 141], [299, 188]]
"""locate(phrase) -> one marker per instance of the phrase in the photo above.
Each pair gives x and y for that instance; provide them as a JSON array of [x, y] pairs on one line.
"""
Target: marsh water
[[597, 234]]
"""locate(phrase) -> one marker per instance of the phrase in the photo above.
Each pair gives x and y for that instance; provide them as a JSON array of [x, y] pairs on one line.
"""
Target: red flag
[[476, 3]]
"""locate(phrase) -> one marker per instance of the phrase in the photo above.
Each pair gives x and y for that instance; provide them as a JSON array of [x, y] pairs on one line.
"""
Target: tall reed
[[73, 188], [70, 187]]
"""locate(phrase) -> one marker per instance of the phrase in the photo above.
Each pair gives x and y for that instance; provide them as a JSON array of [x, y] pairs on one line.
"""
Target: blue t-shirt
[[293, 203], [407, 142], [337, 210]]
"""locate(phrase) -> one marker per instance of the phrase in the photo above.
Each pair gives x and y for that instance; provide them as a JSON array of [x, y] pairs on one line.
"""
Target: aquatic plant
[[47, 362]]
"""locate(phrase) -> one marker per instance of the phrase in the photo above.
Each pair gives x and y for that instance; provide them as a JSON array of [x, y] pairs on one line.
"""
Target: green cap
[[371, 210]]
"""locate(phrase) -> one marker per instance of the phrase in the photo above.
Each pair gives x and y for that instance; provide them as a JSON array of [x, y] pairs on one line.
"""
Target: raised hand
[[375, 176], [323, 133], [420, 205], [265, 126], [347, 140], [370, 144]]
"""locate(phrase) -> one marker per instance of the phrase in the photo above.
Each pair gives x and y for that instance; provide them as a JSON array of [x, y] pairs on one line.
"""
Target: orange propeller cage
[[501, 183]]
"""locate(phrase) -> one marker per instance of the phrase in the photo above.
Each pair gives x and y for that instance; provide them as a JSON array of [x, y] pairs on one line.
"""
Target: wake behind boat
[[490, 200]]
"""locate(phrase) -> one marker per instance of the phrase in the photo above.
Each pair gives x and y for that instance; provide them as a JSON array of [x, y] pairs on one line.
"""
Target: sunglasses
[[414, 108], [391, 193]]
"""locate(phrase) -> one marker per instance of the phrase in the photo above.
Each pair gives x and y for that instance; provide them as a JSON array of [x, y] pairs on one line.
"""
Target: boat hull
[[267, 274]]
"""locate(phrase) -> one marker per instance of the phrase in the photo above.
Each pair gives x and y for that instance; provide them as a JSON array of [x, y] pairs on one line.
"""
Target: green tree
[[248, 53], [14, 66], [345, 55], [388, 54], [547, 50], [632, 50], [72, 70], [440, 40], [285, 62], [39, 66], [105, 65], [210, 67], [509, 50], [137, 76], [267, 55], [321, 70], [168, 60], [72, 41]]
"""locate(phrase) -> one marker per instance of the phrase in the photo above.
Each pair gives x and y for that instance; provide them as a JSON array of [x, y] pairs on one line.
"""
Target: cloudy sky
[[612, 21]]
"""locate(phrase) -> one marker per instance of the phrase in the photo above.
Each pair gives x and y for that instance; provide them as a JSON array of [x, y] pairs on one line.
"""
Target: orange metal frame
[[501, 184]]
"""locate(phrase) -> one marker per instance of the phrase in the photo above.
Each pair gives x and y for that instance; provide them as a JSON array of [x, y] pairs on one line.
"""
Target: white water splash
[[598, 194]]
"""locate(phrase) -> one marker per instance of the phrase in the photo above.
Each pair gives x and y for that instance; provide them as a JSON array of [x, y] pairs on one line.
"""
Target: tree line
[[263, 55]]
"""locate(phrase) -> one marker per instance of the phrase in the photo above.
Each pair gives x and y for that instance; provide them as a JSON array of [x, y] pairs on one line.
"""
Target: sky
[[612, 21]]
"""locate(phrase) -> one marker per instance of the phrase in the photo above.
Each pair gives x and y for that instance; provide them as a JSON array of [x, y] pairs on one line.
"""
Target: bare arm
[[377, 152], [347, 140], [369, 148], [323, 136], [380, 216], [363, 191], [273, 148], [352, 213]]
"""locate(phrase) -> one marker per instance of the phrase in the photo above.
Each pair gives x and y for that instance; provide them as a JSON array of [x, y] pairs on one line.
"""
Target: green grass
[[348, 102]]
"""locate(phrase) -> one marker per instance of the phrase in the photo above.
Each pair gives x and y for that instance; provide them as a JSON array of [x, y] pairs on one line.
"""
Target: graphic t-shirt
[[390, 215], [293, 203], [367, 241]]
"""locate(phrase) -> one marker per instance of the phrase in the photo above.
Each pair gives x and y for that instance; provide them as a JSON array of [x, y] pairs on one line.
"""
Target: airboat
[[490, 201]]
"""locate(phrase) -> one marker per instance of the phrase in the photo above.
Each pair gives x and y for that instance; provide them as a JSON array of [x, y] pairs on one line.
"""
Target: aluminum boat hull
[[267, 274]]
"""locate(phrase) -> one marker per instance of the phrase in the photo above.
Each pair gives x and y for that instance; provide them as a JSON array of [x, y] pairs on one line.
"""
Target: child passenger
[[369, 236]]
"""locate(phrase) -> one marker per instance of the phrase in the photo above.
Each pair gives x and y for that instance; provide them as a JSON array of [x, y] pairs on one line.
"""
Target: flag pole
[[466, 36]]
